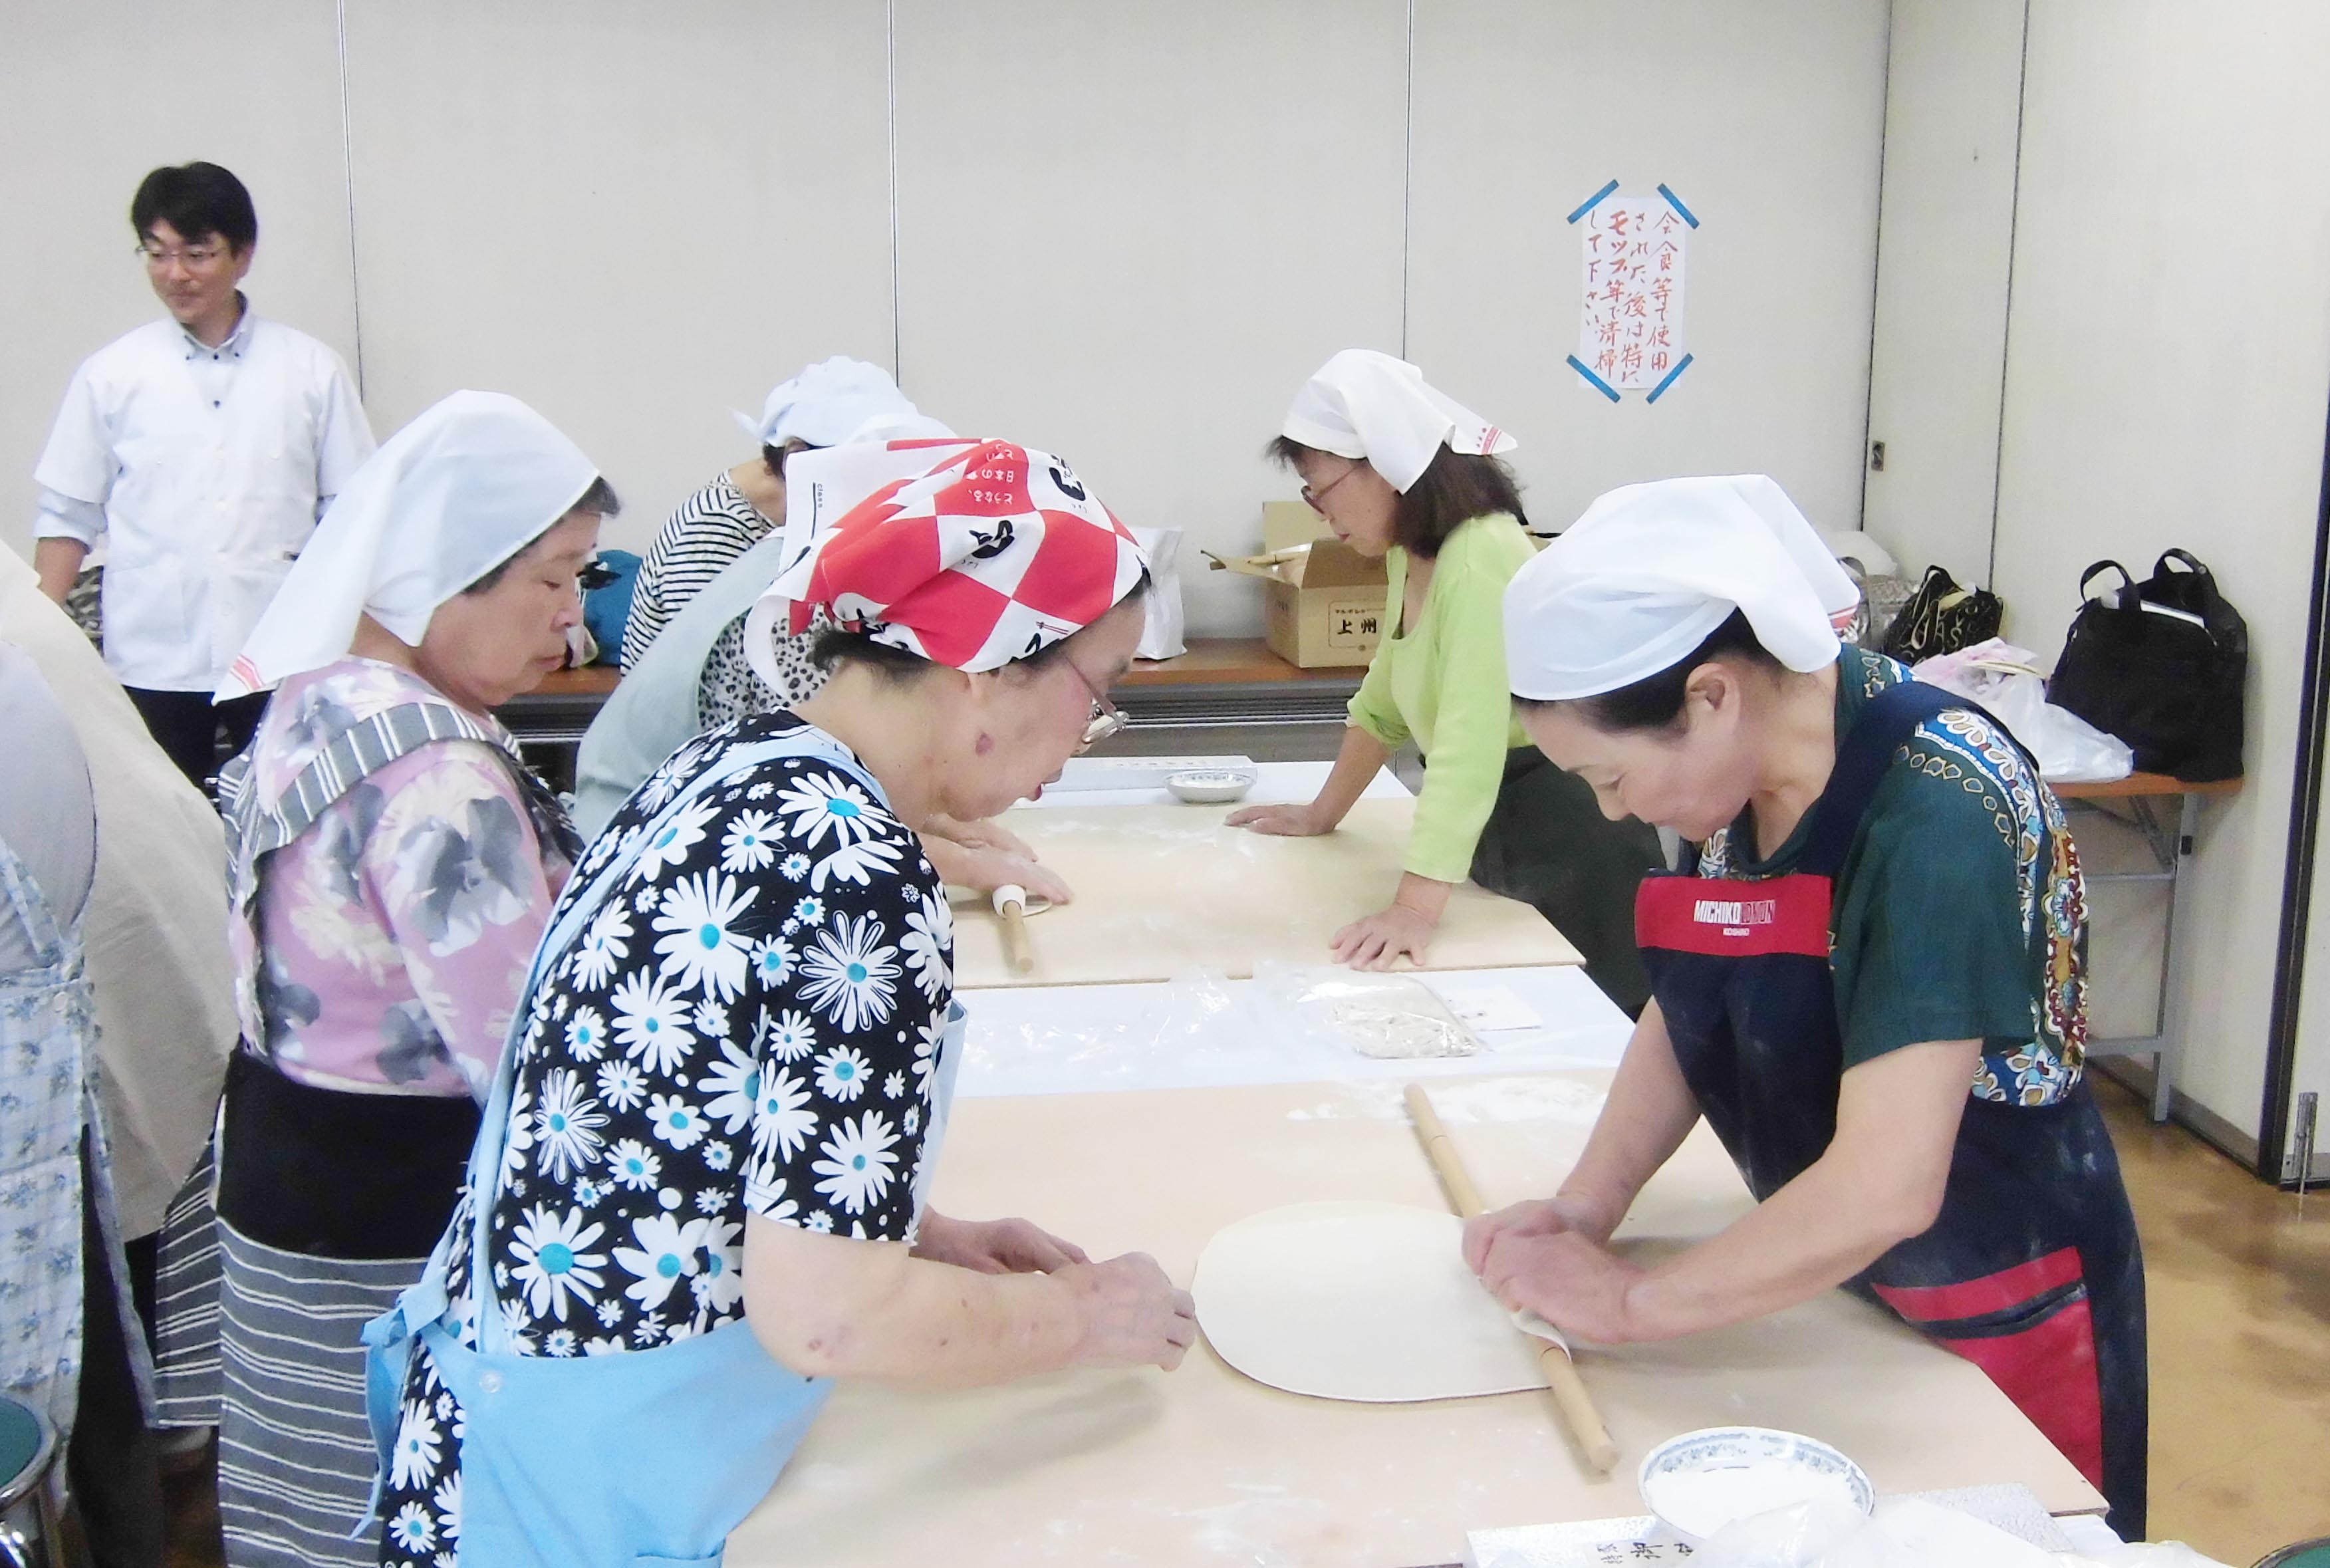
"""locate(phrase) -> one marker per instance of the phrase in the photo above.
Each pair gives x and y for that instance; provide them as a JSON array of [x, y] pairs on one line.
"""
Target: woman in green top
[[1401, 471]]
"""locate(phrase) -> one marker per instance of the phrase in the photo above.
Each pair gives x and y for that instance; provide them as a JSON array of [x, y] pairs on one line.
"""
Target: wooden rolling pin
[[1011, 905], [1561, 1379]]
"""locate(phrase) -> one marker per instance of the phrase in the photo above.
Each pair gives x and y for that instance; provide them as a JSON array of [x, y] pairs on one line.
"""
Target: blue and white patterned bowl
[[1789, 1460]]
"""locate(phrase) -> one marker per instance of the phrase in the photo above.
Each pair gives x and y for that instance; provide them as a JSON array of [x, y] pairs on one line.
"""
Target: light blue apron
[[642, 1457], [654, 710], [48, 1102]]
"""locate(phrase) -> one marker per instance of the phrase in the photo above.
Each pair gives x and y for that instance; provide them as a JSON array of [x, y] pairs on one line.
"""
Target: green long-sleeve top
[[1442, 681]]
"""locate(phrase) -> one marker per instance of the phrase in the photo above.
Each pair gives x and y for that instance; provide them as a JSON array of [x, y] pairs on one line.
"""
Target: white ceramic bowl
[[1703, 1480], [1208, 787]]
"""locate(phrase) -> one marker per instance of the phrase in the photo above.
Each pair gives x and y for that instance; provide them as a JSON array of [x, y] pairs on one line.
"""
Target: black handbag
[[1942, 617], [2163, 663]]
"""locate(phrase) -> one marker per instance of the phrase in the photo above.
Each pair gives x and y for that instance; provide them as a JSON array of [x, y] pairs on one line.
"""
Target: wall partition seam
[[1407, 179], [2297, 875], [1876, 264], [2006, 324], [348, 174], [890, 88]]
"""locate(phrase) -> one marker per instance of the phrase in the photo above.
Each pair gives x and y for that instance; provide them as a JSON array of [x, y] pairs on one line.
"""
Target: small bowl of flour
[[1703, 1481]]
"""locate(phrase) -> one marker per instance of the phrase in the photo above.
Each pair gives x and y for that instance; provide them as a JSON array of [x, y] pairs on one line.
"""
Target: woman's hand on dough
[[1133, 1315], [994, 1246], [1570, 1281], [1381, 939], [1282, 821], [988, 834], [989, 869]]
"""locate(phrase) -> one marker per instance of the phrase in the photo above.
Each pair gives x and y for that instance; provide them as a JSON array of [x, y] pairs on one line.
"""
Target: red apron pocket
[[2046, 1365]]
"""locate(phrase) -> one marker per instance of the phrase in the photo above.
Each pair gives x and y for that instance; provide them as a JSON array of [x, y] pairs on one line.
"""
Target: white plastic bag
[[1162, 638], [2004, 680]]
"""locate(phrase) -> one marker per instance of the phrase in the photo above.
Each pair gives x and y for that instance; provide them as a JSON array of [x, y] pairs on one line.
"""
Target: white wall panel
[[2168, 367], [1766, 119], [1944, 239], [1129, 233], [634, 217], [95, 93]]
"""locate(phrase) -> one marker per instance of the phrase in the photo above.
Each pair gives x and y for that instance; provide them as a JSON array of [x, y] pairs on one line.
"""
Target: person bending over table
[[687, 668], [1871, 982], [1401, 470], [700, 1193], [392, 864]]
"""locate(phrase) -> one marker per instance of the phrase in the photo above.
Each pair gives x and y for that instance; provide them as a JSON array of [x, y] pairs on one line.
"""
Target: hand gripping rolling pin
[[1561, 1379]]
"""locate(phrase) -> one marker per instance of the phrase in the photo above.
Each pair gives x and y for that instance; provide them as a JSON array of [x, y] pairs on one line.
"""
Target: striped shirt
[[712, 528]]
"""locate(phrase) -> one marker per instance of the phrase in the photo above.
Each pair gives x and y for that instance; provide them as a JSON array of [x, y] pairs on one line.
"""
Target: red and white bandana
[[971, 553]]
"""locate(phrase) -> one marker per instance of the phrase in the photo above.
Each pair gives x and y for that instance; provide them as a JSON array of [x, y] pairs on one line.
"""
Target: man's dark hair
[[1458, 488], [198, 200]]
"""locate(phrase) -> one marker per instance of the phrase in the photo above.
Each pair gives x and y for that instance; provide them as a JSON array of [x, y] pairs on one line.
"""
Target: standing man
[[206, 446]]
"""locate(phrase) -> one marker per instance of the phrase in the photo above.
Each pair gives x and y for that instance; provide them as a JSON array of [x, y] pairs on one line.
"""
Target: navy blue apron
[[2033, 1270]]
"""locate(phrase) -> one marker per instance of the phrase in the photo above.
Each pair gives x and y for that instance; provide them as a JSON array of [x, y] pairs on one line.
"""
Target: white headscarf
[[829, 402], [1369, 405], [1639, 582], [451, 495]]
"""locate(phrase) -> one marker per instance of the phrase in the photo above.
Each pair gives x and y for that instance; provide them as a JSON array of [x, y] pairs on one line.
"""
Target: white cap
[[828, 404], [1639, 582], [1369, 405]]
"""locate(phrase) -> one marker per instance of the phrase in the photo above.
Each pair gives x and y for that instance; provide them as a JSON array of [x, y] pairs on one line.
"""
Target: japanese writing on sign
[[1629, 332]]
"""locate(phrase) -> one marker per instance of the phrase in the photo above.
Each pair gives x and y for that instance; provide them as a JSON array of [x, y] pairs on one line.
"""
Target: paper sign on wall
[[1630, 328], [1633, 255]]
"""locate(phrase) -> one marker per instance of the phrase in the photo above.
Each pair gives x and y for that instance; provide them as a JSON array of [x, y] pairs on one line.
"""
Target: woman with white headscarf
[[699, 1191], [697, 672], [392, 866], [1871, 980], [1401, 470], [826, 404]]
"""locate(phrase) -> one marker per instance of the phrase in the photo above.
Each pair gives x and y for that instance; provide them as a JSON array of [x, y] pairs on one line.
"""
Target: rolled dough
[[1363, 1301]]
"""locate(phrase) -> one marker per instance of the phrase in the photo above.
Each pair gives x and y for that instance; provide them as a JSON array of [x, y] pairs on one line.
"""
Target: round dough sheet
[[1361, 1301]]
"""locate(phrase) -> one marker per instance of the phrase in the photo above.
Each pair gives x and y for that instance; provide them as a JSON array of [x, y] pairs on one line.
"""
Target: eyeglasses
[[194, 256], [1317, 497], [1106, 719]]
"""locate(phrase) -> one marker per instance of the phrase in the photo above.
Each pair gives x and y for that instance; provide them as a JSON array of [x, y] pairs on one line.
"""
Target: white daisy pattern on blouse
[[747, 1021], [703, 948], [929, 946], [748, 845], [652, 1023], [827, 804], [668, 846], [857, 1163], [606, 943], [554, 1261], [566, 1126], [852, 975]]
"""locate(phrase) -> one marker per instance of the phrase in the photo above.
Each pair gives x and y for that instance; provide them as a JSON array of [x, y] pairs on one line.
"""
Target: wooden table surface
[[1206, 1466], [1164, 890]]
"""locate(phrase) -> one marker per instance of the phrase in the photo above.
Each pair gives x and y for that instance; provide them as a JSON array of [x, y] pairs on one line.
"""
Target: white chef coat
[[207, 468]]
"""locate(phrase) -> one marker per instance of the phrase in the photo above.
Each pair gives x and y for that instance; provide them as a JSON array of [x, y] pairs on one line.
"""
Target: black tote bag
[[2162, 664]]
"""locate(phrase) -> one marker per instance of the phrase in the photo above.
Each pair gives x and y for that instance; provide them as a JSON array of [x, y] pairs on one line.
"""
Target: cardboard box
[[1323, 601]]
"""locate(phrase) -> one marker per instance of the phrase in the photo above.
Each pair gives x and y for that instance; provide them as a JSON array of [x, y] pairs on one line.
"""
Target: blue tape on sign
[[1604, 387], [1596, 200], [1681, 365], [1676, 202]]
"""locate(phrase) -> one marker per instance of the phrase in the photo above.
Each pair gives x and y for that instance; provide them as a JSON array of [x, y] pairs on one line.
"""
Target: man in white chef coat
[[204, 448]]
